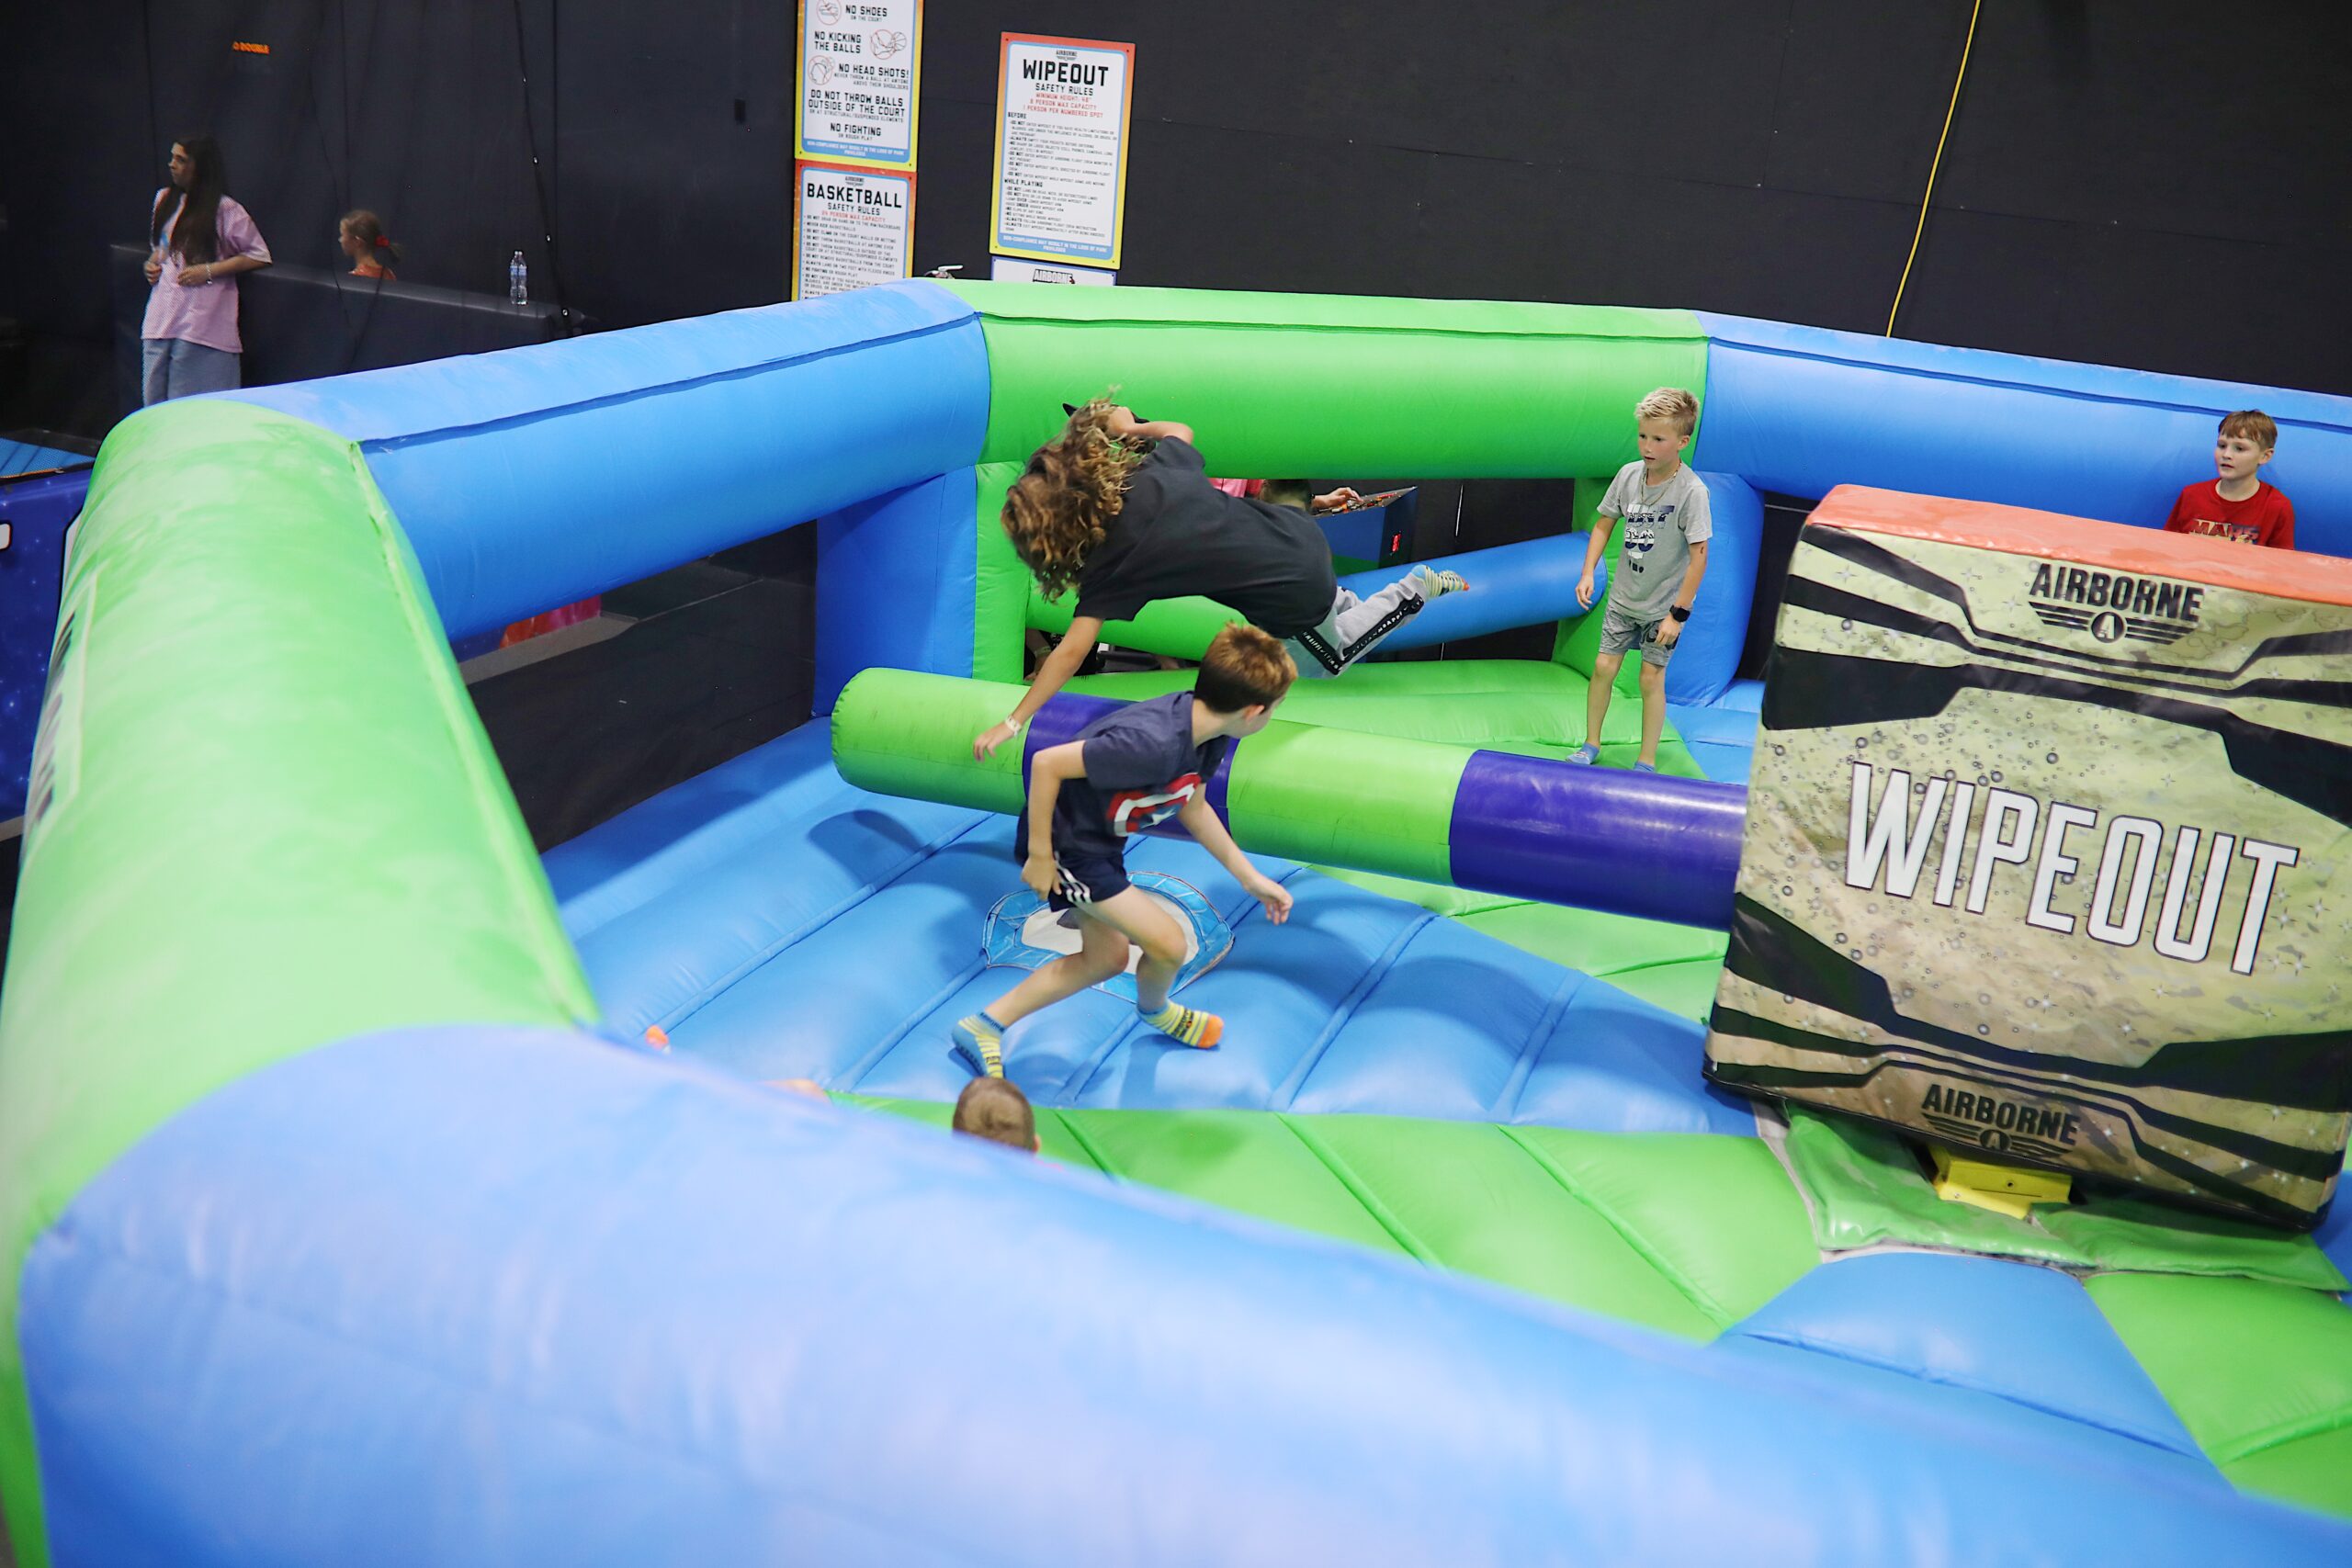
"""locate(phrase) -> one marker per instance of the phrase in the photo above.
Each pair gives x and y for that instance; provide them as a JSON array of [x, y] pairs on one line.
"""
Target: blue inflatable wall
[[534, 477], [1801, 410], [628, 1283], [897, 576], [1706, 659]]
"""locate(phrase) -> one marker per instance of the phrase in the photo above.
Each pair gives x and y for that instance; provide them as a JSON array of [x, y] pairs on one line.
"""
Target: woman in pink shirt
[[198, 240]]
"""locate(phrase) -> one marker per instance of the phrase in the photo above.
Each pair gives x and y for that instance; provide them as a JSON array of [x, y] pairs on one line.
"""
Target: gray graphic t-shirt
[[1662, 521]]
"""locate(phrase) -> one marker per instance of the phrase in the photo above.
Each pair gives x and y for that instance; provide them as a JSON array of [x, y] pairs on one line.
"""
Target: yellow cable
[[1949, 109]]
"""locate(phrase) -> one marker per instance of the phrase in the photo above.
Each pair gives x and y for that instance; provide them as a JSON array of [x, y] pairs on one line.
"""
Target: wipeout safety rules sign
[[2048, 849], [852, 227], [860, 64], [1061, 149]]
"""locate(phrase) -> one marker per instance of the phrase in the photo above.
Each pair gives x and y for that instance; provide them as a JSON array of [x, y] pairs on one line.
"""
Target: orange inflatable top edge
[[2147, 552]]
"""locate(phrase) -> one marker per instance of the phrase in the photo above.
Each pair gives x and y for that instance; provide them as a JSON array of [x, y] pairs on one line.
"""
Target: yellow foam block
[[2008, 1203], [1990, 1176]]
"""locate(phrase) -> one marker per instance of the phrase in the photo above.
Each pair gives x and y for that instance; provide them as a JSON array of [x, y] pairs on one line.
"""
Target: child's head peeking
[[996, 1110]]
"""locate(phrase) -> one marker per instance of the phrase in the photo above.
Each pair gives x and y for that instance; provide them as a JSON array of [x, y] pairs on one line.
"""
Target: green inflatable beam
[[1295, 384], [265, 819], [1525, 827], [898, 732]]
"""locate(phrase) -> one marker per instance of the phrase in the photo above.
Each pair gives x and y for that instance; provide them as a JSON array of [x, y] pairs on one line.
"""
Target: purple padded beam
[[1644, 844]]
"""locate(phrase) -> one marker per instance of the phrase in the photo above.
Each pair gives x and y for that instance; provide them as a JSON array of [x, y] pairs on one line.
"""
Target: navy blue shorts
[[1087, 879]]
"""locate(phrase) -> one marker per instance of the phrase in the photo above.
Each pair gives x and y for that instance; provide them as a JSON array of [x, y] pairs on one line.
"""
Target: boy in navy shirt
[[1128, 770]]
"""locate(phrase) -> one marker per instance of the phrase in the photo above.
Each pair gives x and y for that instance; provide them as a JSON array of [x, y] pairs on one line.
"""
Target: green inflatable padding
[[1686, 1232], [900, 732], [1866, 1187], [1578, 643], [2260, 1373], [249, 652], [1282, 385], [1520, 705], [1180, 628], [1689, 1233], [1002, 587], [897, 732], [1277, 384]]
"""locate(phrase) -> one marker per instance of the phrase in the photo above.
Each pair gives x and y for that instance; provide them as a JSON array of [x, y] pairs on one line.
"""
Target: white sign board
[[1014, 269], [851, 228], [1061, 149], [860, 69]]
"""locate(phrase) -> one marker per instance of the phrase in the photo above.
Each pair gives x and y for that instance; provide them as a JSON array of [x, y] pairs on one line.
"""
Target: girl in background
[[198, 240], [361, 236]]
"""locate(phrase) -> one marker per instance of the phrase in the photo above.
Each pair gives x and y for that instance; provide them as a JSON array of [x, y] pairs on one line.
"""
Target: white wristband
[[1015, 722]]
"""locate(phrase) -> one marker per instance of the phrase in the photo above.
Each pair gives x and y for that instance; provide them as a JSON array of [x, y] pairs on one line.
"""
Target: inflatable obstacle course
[[338, 1234]]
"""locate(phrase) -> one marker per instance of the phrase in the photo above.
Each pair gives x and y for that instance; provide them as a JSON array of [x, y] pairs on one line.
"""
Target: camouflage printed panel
[[2053, 861]]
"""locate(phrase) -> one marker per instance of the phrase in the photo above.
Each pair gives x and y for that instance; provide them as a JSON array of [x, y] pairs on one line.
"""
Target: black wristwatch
[[1679, 612]]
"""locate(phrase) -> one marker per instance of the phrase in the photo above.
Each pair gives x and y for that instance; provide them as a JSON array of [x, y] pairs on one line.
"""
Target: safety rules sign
[[1061, 149], [853, 227]]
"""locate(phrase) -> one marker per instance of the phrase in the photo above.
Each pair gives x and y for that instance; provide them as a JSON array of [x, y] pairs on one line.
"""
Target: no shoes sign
[[860, 64]]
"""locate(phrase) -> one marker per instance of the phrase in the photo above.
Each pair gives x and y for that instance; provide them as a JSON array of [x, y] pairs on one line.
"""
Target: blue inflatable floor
[[777, 922], [1721, 735]]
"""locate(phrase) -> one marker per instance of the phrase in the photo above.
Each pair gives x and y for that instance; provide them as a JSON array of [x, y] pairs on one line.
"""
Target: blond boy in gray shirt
[[1663, 506]]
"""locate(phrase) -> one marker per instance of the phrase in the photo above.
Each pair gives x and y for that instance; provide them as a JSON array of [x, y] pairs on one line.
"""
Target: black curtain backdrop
[[2154, 184]]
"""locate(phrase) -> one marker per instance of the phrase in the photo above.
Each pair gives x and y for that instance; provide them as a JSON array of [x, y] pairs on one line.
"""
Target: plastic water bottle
[[518, 278]]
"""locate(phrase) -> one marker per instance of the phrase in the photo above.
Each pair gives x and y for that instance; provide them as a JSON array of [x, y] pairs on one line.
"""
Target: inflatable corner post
[[2048, 849], [264, 819]]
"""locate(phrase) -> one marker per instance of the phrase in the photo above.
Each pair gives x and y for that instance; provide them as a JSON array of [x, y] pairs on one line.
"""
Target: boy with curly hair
[[1125, 509]]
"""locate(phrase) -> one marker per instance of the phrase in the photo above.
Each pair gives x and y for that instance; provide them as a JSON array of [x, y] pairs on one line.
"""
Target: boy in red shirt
[[2237, 504]]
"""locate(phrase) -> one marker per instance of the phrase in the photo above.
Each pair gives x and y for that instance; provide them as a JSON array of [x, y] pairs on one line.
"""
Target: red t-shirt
[[2265, 517]]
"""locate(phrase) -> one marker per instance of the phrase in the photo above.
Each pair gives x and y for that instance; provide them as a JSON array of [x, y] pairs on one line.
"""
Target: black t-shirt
[[1177, 534], [1141, 767]]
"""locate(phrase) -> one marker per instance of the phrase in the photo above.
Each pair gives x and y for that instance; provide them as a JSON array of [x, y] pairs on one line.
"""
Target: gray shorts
[[1620, 631]]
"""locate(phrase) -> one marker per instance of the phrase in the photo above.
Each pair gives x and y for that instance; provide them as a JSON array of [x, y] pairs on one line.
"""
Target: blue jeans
[[173, 367]]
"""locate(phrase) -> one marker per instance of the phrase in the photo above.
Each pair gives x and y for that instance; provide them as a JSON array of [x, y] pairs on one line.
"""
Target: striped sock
[[1191, 1025], [979, 1045]]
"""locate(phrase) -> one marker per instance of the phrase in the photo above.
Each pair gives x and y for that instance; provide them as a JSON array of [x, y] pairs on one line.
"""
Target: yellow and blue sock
[[979, 1043], [1191, 1025]]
